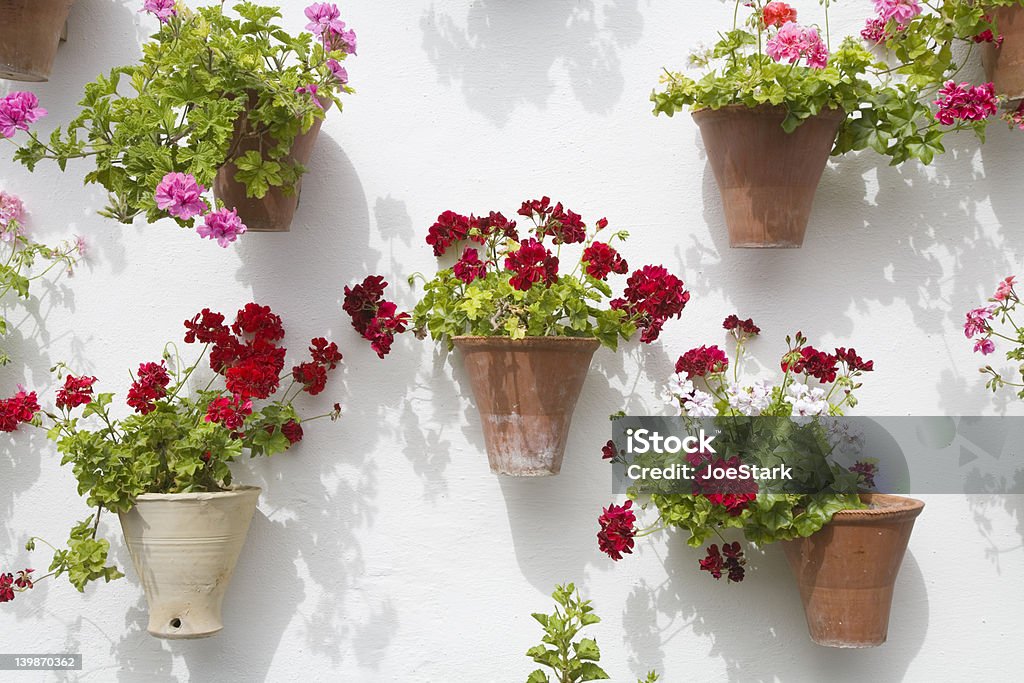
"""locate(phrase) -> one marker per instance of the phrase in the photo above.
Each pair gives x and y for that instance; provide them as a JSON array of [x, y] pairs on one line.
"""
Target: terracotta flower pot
[[184, 547], [1004, 65], [30, 31], [847, 570], [275, 210], [526, 391], [766, 176]]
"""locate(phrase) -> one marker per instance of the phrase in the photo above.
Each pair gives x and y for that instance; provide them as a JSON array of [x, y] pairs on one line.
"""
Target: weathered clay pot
[[1004, 65], [275, 210], [184, 547], [766, 176], [847, 570], [526, 391], [30, 31]]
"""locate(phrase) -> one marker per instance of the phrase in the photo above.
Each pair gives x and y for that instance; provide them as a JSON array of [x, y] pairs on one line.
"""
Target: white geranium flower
[[678, 389], [701, 404], [807, 401], [752, 400]]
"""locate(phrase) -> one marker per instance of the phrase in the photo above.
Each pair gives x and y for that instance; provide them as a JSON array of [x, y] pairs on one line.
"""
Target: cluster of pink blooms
[[877, 29], [965, 103], [793, 42], [18, 110], [977, 323], [325, 22], [12, 213], [161, 9], [1015, 117], [181, 196]]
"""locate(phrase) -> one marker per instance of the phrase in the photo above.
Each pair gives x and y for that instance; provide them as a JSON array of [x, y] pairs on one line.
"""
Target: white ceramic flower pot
[[184, 547]]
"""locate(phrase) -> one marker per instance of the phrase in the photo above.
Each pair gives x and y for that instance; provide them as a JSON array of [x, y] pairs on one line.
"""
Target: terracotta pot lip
[[761, 109], [234, 491], [889, 507], [480, 340]]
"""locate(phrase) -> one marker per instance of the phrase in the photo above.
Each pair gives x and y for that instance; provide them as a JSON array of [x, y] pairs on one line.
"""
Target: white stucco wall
[[383, 549]]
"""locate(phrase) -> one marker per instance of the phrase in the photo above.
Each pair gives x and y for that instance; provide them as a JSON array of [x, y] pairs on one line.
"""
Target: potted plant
[[1000, 31], [232, 103], [526, 327], [777, 98], [30, 31], [19, 254], [836, 537], [164, 468]]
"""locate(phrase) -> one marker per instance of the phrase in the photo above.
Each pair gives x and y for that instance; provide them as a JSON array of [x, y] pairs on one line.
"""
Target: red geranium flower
[[18, 409], [325, 353], [260, 322], [608, 451], [747, 326], [361, 301], [652, 295], [312, 377], [150, 385], [702, 361], [470, 267], [292, 431], [449, 228], [732, 562], [602, 259], [815, 363], [777, 14], [206, 327], [854, 363], [617, 530], [77, 391], [531, 263], [566, 226], [229, 412]]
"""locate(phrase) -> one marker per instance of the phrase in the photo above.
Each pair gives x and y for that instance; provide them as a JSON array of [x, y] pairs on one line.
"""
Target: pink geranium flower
[[162, 9], [1005, 289], [900, 10], [338, 71], [324, 17], [984, 346], [965, 103], [17, 111], [977, 321], [224, 226], [794, 41], [12, 213], [180, 195]]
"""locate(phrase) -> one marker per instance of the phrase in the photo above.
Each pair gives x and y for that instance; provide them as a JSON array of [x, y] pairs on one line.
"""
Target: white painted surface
[[383, 549]]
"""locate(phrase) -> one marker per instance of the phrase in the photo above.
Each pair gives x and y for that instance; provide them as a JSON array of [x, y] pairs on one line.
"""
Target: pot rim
[[235, 490], [827, 112], [890, 508], [481, 340]]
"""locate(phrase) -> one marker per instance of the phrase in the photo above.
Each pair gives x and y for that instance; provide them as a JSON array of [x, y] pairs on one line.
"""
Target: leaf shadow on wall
[[773, 628], [933, 254], [504, 55], [991, 510]]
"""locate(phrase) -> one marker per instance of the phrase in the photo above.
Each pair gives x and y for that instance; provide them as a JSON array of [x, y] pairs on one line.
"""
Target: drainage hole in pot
[[175, 622]]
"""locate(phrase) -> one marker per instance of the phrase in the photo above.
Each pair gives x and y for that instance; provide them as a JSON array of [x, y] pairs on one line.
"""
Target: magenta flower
[[180, 195], [815, 49], [12, 213], [324, 17], [976, 322], [162, 9], [17, 111], [311, 89], [80, 245], [900, 10], [224, 226], [345, 41], [964, 103], [338, 71], [984, 346]]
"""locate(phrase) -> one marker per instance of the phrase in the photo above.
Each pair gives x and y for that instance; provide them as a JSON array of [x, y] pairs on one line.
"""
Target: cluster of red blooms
[[867, 472], [452, 228], [987, 36], [702, 361], [608, 451], [823, 366], [730, 560], [17, 410], [531, 263], [617, 530], [776, 14], [601, 259], [376, 319], [567, 227], [77, 391], [652, 296], [965, 103], [747, 327], [9, 583], [735, 495], [248, 356], [149, 386], [469, 267]]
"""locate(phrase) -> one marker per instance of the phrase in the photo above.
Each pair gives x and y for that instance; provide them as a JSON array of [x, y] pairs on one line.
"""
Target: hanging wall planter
[[1004, 59], [30, 31], [847, 570], [526, 391], [526, 306], [184, 547], [767, 177], [274, 211]]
